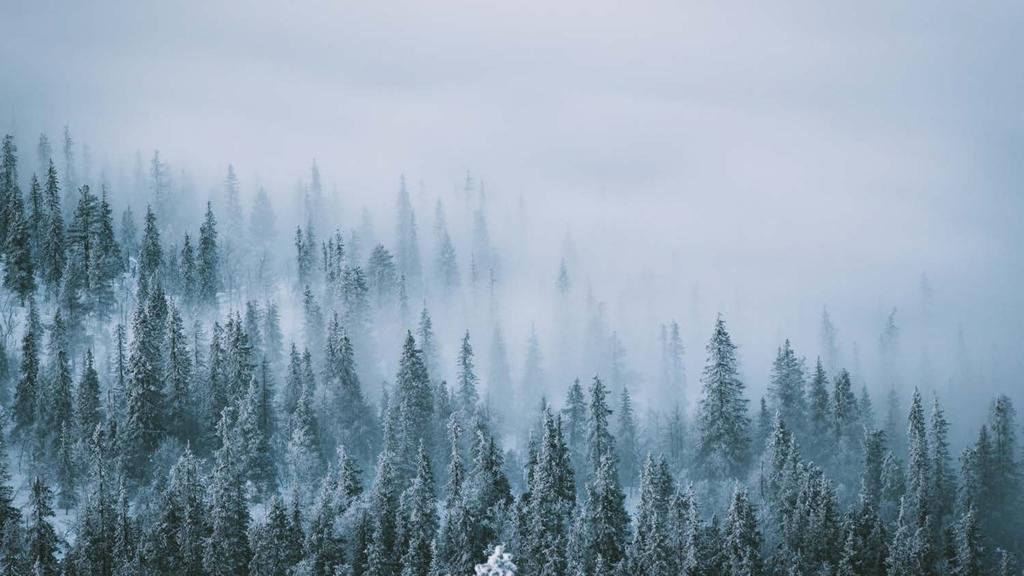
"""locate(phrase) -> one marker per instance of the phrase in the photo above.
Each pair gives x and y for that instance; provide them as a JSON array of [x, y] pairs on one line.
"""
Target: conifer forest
[[521, 293]]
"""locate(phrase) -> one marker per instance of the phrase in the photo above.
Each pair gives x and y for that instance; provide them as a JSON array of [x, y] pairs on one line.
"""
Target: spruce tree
[[919, 469], [313, 321], [253, 424], [42, 538], [273, 339], [323, 549], [87, 399], [145, 402], [19, 272], [58, 403], [179, 378], [188, 273], [574, 424], [53, 257], [8, 186], [467, 380], [786, 388], [943, 480], [227, 547], [37, 221], [652, 547], [847, 431], [605, 518], [412, 406], [150, 252], [358, 426], [381, 276], [428, 345], [108, 263], [544, 529], [303, 450], [451, 552], [26, 395], [906, 549], [742, 537], [724, 445], [382, 553], [208, 261], [628, 442], [819, 413], [969, 551], [10, 516], [488, 493], [417, 521], [269, 540], [600, 441]]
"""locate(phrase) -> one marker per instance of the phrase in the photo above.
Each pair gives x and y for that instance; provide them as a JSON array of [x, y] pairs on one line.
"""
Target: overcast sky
[[799, 153]]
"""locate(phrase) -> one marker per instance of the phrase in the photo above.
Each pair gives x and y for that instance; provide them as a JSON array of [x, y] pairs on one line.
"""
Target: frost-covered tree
[[786, 388], [468, 382], [742, 537], [42, 546], [26, 394], [651, 551], [417, 520], [227, 551], [382, 554], [270, 540], [605, 519], [724, 446], [628, 441], [969, 550], [498, 564]]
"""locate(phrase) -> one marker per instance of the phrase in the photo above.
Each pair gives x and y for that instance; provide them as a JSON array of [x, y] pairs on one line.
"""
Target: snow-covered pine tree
[[207, 261], [742, 537], [145, 402], [969, 551], [412, 406], [382, 555], [819, 419], [417, 520], [428, 346], [150, 252], [651, 551], [724, 445], [786, 387], [27, 392], [87, 399], [43, 546], [906, 549], [599, 437], [303, 453], [605, 516], [467, 392], [574, 426], [323, 549], [919, 465], [628, 442], [269, 540], [943, 479], [227, 550], [549, 504], [53, 257], [847, 431], [178, 381], [498, 564]]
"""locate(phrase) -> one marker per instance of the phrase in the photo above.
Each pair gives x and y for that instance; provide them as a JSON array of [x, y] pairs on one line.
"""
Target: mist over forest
[[583, 289]]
